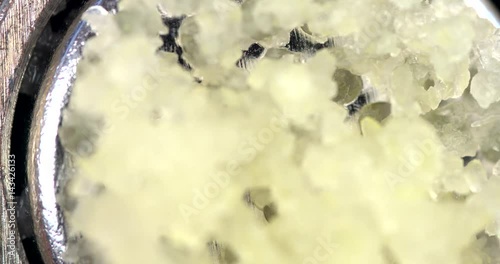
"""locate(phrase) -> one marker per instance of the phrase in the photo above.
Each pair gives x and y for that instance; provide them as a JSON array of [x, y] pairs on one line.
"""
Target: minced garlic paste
[[338, 135]]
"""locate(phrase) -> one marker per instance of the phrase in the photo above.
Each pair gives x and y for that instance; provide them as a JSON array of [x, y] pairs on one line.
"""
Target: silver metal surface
[[21, 22], [45, 157]]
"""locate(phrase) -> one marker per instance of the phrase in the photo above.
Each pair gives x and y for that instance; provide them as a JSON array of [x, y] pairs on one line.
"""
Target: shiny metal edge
[[485, 9], [42, 159], [21, 23], [45, 157]]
